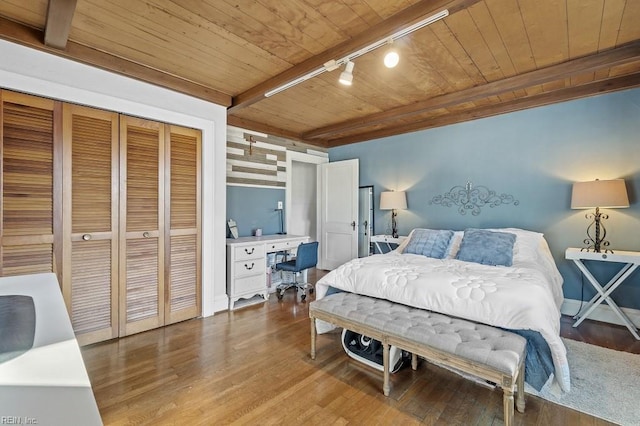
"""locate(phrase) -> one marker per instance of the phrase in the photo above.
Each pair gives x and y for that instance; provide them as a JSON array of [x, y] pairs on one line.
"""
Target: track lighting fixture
[[346, 77]]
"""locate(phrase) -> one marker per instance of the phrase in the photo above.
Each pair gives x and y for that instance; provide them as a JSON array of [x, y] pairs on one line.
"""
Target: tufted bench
[[482, 351]]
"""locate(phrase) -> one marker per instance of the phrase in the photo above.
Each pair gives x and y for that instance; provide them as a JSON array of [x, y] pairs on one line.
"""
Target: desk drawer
[[254, 283], [250, 267], [283, 245], [249, 252]]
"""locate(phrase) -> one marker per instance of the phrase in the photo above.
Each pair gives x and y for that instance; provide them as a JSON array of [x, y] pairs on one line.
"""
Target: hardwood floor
[[252, 366]]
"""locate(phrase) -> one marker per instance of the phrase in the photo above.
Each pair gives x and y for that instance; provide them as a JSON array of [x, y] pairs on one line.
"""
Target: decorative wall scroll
[[472, 198]]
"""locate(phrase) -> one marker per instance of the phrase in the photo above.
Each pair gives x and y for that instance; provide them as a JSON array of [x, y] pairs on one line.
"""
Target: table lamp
[[393, 200], [596, 194]]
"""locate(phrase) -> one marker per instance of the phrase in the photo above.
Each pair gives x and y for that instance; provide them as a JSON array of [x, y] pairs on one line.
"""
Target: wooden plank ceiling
[[487, 57]]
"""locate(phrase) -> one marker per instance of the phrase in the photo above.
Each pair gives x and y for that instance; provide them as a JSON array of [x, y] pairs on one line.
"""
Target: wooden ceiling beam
[[270, 130], [618, 56], [561, 95], [395, 23], [30, 37], [59, 17]]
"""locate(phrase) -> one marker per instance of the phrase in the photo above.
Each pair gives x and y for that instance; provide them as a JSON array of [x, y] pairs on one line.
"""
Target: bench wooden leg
[[507, 401], [385, 363], [414, 361], [313, 338], [520, 389]]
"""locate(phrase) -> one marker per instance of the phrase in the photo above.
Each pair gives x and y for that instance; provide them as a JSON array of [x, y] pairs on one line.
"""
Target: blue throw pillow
[[487, 247], [429, 242]]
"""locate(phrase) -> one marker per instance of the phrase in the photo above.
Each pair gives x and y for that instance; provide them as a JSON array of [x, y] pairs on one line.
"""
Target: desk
[[377, 240], [247, 262], [631, 261]]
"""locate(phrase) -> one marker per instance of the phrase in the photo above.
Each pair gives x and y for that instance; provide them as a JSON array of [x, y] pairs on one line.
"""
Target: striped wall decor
[[256, 159]]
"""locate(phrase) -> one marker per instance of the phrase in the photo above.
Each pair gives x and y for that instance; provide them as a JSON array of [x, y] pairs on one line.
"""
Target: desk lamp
[[392, 200], [596, 194]]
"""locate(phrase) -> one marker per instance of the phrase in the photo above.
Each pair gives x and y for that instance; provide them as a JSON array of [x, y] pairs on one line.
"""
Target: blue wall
[[534, 155], [253, 208]]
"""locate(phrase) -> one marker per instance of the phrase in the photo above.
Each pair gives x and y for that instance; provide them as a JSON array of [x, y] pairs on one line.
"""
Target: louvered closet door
[[90, 190], [31, 169], [141, 225], [183, 291]]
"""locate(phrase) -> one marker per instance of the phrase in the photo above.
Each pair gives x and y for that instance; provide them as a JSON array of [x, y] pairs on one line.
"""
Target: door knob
[[353, 225], [146, 234], [86, 237]]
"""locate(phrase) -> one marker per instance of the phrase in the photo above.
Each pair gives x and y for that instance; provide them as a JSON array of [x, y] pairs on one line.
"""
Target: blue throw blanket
[[538, 364]]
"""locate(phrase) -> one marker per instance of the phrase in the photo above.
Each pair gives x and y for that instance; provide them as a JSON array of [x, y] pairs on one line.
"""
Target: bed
[[501, 277]]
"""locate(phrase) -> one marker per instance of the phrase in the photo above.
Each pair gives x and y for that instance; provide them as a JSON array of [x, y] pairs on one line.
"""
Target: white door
[[338, 189]]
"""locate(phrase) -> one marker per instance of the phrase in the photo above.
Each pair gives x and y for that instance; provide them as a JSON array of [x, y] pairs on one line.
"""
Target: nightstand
[[379, 240], [630, 261]]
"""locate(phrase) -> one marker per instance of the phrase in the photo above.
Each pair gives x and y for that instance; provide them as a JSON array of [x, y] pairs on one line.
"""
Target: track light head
[[391, 59], [346, 77]]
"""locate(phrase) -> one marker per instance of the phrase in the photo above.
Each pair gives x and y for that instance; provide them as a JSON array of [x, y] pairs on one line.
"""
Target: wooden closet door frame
[[187, 313], [56, 238], [70, 237], [158, 321]]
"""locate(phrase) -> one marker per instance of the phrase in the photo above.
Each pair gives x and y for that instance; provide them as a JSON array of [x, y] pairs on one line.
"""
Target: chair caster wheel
[[311, 290], [303, 297], [279, 295]]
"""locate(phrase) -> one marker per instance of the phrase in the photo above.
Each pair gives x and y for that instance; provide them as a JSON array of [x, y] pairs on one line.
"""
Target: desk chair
[[306, 257]]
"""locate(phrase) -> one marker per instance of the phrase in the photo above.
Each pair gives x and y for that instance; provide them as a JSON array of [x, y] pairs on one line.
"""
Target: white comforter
[[524, 296]]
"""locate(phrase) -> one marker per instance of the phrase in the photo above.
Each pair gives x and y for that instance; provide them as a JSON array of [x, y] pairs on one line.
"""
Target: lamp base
[[394, 224], [597, 242]]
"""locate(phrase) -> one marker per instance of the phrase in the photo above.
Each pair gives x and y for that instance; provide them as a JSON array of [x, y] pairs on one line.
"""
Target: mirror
[[365, 213]]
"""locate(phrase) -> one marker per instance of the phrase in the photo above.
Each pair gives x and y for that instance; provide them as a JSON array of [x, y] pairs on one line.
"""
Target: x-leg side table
[[631, 261]]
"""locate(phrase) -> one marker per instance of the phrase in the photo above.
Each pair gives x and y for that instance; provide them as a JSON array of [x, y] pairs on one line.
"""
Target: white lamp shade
[[599, 193], [390, 200]]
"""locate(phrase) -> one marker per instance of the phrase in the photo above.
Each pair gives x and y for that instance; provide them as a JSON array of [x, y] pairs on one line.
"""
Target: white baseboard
[[602, 313], [220, 304]]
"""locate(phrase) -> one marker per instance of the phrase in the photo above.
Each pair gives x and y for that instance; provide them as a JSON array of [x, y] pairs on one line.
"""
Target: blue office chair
[[306, 257]]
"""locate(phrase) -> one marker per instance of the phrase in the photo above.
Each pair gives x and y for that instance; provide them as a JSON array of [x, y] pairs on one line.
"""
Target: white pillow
[[527, 243], [454, 245], [404, 243]]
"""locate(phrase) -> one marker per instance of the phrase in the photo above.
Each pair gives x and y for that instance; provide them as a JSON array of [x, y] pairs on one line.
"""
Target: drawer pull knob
[[249, 267], [86, 237], [249, 252]]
